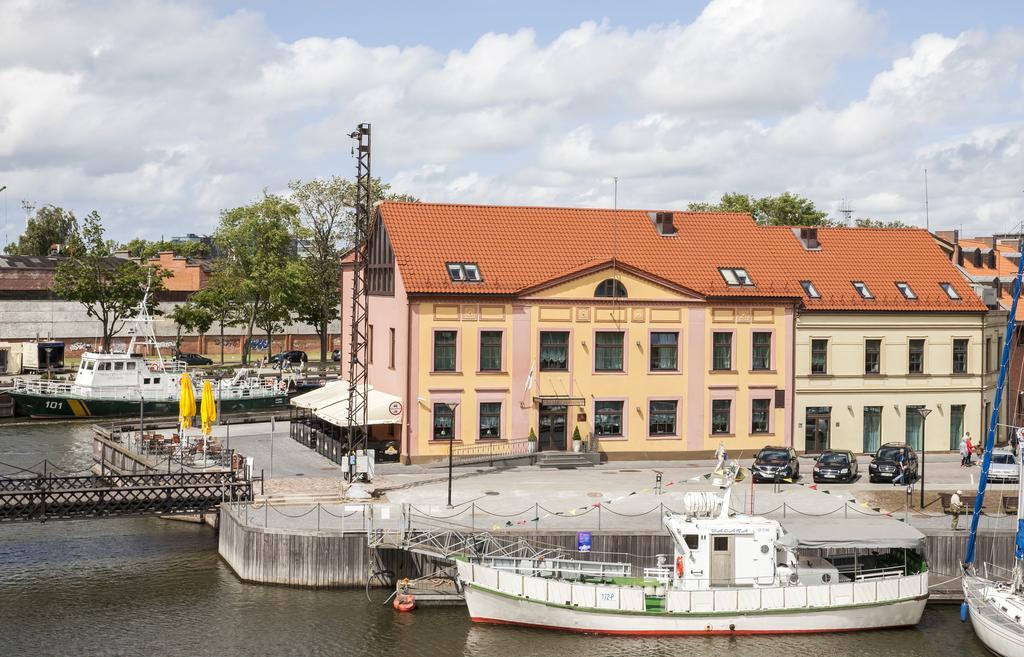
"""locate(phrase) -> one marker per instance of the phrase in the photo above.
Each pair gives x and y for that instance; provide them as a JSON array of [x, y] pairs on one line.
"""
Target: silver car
[[1004, 466]]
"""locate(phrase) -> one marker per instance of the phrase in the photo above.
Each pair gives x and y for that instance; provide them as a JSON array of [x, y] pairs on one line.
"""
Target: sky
[[160, 115]]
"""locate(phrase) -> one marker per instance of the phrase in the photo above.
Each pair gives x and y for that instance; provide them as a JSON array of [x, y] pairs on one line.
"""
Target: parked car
[[884, 466], [193, 359], [336, 355], [776, 464], [1003, 467], [291, 357], [835, 465]]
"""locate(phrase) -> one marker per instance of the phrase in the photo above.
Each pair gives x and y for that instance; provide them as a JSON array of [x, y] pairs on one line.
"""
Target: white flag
[[529, 380]]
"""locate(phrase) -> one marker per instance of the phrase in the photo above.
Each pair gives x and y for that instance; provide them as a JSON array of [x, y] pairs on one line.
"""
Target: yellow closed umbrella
[[187, 402], [208, 408]]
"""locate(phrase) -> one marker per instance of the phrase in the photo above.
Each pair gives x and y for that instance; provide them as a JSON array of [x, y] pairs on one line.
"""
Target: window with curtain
[[490, 420], [760, 411], [721, 355], [664, 351], [444, 350], [915, 356], [761, 351], [608, 418], [662, 418], [819, 356], [444, 421], [608, 351], [720, 415], [554, 351], [872, 428], [960, 356], [915, 426], [956, 425], [490, 351], [873, 356]]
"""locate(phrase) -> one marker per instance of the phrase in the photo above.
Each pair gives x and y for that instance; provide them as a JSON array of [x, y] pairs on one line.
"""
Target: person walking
[[965, 450], [970, 449], [956, 507], [901, 467], [1015, 440]]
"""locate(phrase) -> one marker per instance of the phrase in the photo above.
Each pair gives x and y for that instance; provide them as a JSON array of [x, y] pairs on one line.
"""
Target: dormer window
[[904, 289], [610, 288], [464, 272], [810, 290], [862, 290], [736, 277], [948, 289]]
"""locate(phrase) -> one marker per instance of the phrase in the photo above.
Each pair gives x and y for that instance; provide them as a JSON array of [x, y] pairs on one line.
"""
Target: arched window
[[610, 287]]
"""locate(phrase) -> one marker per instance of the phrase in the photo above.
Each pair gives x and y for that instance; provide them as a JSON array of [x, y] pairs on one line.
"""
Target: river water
[[127, 587]]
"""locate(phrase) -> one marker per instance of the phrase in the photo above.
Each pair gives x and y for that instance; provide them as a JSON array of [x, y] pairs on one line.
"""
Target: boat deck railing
[[244, 389]]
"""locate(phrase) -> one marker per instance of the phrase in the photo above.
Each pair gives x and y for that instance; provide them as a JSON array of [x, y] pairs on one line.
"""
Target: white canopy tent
[[877, 532], [330, 403]]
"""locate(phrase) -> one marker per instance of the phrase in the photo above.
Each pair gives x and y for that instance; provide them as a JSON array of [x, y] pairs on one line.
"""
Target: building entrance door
[[553, 420], [816, 429]]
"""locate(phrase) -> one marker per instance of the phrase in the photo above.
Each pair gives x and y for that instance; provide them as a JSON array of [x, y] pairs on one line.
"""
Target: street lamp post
[[923, 412], [451, 443]]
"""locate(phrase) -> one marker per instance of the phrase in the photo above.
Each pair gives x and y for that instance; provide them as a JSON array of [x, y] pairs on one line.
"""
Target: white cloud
[[159, 114]]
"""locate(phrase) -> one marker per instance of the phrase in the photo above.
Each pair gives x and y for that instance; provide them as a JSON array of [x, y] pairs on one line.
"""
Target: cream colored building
[[859, 377]]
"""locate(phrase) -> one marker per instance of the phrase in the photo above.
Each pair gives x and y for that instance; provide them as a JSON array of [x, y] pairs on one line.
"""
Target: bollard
[[783, 509], [318, 516], [599, 505]]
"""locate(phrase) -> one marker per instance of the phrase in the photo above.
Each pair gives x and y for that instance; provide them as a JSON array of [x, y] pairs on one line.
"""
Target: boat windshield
[[1003, 458], [834, 457]]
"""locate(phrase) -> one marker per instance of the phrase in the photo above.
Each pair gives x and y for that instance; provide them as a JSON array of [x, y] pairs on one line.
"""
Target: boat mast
[[1018, 551], [142, 328], [993, 425]]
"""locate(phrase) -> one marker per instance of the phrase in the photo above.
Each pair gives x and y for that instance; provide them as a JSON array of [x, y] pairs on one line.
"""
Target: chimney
[[663, 223], [951, 236], [991, 259], [808, 236]]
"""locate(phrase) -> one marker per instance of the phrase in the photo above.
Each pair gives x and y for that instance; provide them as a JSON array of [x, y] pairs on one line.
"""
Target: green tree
[[146, 249], [46, 226], [880, 223], [786, 209], [192, 318], [328, 219], [219, 300], [257, 268], [109, 288]]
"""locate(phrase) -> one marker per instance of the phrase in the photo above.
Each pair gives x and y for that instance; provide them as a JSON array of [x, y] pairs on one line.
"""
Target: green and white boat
[[110, 385]]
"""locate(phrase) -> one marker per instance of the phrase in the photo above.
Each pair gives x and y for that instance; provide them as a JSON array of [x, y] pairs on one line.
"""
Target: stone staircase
[[568, 460]]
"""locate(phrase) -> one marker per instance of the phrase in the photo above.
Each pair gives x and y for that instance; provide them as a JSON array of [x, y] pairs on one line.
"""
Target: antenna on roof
[[845, 210], [615, 193], [927, 219]]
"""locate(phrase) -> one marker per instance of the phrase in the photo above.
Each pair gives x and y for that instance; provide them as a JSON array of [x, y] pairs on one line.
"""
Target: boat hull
[[45, 406], [487, 606], [1000, 636]]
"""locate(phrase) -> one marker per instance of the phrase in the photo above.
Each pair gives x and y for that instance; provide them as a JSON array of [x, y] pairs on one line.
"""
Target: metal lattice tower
[[358, 378]]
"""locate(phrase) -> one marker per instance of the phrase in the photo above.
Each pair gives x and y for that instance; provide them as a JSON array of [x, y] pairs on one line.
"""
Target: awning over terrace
[[878, 532], [330, 403]]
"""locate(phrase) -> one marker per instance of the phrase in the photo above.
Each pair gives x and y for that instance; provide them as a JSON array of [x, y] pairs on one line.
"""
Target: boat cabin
[[730, 552], [125, 370]]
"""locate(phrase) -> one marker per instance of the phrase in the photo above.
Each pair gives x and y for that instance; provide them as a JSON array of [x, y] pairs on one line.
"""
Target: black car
[[776, 464], [885, 464], [294, 357], [835, 465], [193, 359]]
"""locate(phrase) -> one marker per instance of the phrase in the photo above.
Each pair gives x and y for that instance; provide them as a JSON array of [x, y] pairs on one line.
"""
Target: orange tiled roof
[[1005, 268], [518, 248]]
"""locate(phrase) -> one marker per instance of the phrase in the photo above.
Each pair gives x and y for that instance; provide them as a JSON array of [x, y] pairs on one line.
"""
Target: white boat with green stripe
[[728, 574]]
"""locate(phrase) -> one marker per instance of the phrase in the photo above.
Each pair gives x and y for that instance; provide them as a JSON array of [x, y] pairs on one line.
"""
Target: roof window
[[736, 277], [810, 290], [663, 223], [863, 290], [808, 236], [464, 272], [948, 289], [904, 288]]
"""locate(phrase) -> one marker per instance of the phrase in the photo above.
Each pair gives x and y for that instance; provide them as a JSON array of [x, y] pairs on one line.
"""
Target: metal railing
[[489, 451]]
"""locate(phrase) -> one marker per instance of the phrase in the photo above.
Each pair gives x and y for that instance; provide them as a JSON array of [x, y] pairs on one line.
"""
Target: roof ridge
[[560, 208]]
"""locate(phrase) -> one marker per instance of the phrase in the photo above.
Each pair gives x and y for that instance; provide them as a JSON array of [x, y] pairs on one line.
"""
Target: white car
[[1004, 466]]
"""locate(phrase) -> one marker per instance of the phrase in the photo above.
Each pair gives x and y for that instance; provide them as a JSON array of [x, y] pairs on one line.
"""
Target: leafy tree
[[146, 249], [109, 288], [785, 209], [193, 318], [46, 226], [219, 300], [328, 217], [257, 268], [880, 223]]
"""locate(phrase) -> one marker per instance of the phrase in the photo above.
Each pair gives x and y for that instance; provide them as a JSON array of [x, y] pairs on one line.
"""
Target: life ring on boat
[[679, 566], [404, 602]]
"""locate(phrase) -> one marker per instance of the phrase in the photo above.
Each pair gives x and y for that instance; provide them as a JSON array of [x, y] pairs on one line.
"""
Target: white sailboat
[[994, 598], [729, 574]]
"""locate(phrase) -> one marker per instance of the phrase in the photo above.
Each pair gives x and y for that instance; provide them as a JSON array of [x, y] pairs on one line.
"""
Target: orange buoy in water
[[404, 602]]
